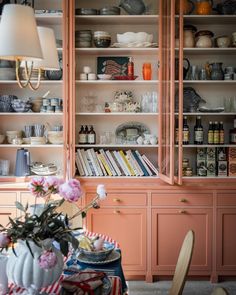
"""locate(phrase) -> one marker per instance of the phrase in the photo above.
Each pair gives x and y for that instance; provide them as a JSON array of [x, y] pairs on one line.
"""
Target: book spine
[[90, 164], [103, 160], [122, 163], [79, 165], [108, 162], [140, 163], [117, 163], [93, 162], [140, 171], [86, 162], [113, 163], [132, 164], [101, 165], [149, 163], [100, 172], [127, 163], [83, 163], [144, 164]]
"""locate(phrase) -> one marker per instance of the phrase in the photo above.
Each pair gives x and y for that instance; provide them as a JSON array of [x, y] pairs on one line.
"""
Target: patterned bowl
[[98, 255], [21, 106]]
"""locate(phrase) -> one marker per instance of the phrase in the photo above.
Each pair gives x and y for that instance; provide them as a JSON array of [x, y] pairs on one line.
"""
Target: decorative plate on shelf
[[127, 133], [112, 65], [111, 258]]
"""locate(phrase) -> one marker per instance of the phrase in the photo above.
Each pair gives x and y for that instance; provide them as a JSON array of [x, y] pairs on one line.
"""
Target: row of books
[[113, 163]]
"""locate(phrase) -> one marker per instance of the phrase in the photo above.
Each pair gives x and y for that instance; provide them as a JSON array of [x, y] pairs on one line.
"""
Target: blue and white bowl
[[98, 255]]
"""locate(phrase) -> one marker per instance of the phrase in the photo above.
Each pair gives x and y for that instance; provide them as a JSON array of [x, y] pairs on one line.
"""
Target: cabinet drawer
[[5, 213], [8, 198], [27, 197], [228, 199], [124, 199], [182, 199]]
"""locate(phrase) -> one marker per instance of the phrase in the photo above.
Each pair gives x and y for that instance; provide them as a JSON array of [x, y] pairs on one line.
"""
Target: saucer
[[112, 257]]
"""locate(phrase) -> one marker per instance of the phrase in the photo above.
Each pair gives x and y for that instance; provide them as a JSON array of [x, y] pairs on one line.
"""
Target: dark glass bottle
[[198, 131], [221, 133], [91, 136], [82, 135], [185, 131], [210, 137], [216, 133], [86, 131]]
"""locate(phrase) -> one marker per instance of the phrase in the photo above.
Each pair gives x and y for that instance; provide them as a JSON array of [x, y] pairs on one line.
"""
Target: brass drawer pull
[[182, 211], [116, 211], [183, 200], [116, 200]]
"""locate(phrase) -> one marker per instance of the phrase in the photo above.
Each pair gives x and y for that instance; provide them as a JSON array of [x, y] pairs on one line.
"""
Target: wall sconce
[[24, 43]]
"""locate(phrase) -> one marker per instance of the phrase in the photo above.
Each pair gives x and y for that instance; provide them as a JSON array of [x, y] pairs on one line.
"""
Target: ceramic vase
[[24, 271]]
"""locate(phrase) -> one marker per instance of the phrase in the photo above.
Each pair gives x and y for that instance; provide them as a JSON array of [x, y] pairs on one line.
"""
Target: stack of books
[[113, 163]]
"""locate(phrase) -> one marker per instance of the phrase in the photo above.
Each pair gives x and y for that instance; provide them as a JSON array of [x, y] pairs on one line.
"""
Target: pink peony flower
[[52, 183], [4, 240], [47, 260], [71, 190], [101, 191], [36, 186]]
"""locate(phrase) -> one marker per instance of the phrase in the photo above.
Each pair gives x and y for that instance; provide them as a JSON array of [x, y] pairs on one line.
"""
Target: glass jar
[[189, 171], [147, 71], [204, 7], [185, 163]]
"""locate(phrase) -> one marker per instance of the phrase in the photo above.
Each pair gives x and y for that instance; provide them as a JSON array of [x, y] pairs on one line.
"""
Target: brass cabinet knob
[[182, 211], [116, 211], [116, 200], [183, 200]]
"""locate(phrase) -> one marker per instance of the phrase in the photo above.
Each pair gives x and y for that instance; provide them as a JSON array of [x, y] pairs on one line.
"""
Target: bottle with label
[[222, 133], [216, 133], [82, 135], [210, 137], [91, 136], [185, 131], [86, 132], [176, 131], [130, 67], [232, 133], [198, 131]]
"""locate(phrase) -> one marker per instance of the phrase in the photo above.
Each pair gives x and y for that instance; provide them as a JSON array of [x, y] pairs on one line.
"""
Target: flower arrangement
[[50, 225]]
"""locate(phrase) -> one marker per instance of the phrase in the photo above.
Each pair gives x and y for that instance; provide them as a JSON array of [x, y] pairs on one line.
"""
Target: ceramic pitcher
[[188, 7], [133, 6], [217, 72], [185, 69]]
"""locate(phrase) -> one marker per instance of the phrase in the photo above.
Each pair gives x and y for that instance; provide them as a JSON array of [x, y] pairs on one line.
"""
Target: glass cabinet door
[[167, 90]]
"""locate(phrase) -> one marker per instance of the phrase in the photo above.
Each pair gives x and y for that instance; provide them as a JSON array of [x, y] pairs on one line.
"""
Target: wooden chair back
[[183, 263], [219, 291]]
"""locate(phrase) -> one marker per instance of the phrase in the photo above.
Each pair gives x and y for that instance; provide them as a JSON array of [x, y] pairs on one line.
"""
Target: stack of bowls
[[111, 10], [83, 38], [102, 39], [6, 103], [12, 135], [86, 11]]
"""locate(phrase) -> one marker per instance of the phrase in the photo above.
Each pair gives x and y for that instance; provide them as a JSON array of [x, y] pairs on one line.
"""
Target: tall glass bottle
[[185, 131], [198, 131], [210, 137]]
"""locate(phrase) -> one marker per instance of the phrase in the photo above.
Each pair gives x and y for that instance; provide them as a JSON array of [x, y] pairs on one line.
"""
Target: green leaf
[[19, 206], [83, 214], [26, 206], [64, 247]]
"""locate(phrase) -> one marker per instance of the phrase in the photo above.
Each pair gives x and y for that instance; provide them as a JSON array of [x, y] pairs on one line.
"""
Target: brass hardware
[[183, 200], [116, 211], [182, 211], [116, 200]]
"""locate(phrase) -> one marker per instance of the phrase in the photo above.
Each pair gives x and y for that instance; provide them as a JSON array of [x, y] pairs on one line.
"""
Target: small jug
[[188, 7], [204, 7], [217, 72], [185, 69]]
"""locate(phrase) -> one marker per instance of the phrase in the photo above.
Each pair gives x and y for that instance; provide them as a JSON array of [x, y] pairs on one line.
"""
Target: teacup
[[223, 41]]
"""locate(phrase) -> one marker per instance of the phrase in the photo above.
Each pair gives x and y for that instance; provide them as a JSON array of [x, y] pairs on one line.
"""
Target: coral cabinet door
[[5, 213], [169, 227], [167, 90], [128, 228], [226, 239]]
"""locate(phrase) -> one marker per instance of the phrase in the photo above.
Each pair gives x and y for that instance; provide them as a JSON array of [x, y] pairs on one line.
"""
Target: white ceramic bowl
[[13, 134], [130, 37], [104, 77], [36, 140], [55, 137], [2, 137]]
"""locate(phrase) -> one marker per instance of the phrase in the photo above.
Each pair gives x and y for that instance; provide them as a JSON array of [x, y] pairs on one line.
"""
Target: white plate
[[112, 257]]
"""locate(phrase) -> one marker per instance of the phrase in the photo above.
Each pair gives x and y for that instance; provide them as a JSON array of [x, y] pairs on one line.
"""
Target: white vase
[[3, 274], [24, 271]]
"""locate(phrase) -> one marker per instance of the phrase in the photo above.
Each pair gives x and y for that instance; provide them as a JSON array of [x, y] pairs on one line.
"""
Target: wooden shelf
[[31, 114], [206, 82], [117, 19], [209, 177], [116, 114], [207, 145], [117, 177], [206, 51], [208, 114], [42, 82], [107, 146], [211, 19], [49, 19], [117, 51], [14, 146], [115, 82]]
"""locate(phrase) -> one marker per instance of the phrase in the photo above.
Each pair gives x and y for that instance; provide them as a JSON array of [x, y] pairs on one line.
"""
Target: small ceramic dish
[[104, 77], [98, 255], [37, 140], [86, 11]]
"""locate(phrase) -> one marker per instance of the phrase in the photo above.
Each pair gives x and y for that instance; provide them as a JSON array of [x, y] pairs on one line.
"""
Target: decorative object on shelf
[[104, 77], [124, 102], [188, 7], [185, 69], [191, 100], [4, 167], [38, 48], [3, 271], [189, 36], [136, 44], [234, 39], [149, 102], [86, 11], [22, 167], [223, 41], [204, 7], [204, 39], [131, 37], [147, 71], [133, 7], [193, 73], [37, 259], [13, 134], [123, 96], [217, 72], [109, 10], [101, 39], [2, 138], [112, 65], [56, 74], [227, 7], [37, 103], [83, 38], [87, 74], [25, 2], [6, 103], [88, 103], [21, 105], [41, 169], [55, 137], [127, 133], [37, 140], [204, 109]]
